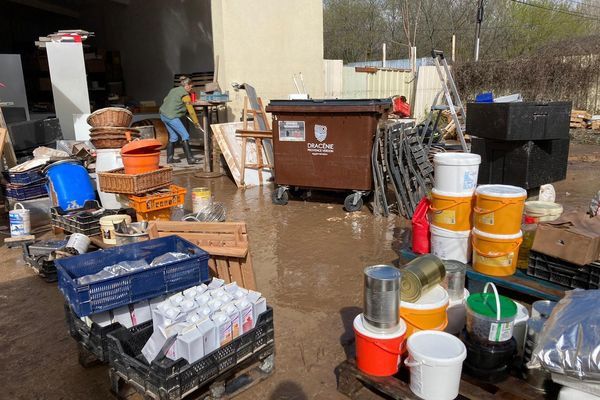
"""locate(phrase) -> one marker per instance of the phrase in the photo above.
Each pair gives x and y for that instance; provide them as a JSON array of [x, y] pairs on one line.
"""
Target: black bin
[[525, 163], [519, 121]]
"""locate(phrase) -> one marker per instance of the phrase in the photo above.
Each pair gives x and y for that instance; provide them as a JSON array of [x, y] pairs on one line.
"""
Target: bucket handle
[[20, 205], [496, 255], [415, 325], [487, 285], [409, 362], [450, 206], [386, 349], [503, 203]]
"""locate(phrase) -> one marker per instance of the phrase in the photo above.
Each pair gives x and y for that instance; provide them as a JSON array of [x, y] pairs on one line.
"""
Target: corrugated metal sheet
[[383, 83], [399, 64], [428, 86], [354, 84], [332, 70]]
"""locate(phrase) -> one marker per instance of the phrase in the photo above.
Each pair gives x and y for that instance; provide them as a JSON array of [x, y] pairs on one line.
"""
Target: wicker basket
[[112, 130], [110, 116], [116, 181], [108, 143]]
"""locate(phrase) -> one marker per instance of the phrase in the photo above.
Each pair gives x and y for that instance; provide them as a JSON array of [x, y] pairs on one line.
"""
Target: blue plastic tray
[[27, 177], [130, 288], [26, 192]]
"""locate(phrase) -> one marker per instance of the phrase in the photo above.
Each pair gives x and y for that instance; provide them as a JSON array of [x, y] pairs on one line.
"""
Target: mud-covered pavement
[[308, 259]]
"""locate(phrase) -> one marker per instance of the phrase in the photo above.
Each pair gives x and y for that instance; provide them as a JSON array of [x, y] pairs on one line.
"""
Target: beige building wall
[[263, 43]]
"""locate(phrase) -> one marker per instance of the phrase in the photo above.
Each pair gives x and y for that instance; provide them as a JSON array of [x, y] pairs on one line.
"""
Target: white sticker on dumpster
[[291, 131], [320, 149]]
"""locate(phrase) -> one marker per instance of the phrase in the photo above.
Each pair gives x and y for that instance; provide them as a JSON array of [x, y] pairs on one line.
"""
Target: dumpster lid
[[331, 105]]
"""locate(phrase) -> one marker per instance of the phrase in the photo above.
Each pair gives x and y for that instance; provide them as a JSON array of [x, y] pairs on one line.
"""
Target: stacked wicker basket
[[110, 128]]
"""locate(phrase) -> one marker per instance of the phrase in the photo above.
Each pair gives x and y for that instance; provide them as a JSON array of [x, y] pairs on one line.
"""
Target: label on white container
[[501, 331], [469, 179]]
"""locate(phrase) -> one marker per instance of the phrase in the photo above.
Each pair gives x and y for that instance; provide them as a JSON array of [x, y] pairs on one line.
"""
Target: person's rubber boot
[[188, 153], [171, 153]]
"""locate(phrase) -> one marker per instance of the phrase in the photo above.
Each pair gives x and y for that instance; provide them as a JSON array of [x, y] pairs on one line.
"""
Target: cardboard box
[[575, 237]]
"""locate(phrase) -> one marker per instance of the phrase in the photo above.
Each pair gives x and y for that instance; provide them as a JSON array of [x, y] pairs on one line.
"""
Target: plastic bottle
[[529, 227]]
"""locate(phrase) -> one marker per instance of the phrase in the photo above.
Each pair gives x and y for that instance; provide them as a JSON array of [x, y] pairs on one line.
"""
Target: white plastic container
[[435, 361], [456, 172], [107, 227], [106, 160], [450, 245], [20, 222], [457, 315], [520, 327], [543, 211]]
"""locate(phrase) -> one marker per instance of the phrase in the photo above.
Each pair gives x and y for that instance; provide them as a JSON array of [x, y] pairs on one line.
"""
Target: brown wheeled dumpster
[[325, 144]]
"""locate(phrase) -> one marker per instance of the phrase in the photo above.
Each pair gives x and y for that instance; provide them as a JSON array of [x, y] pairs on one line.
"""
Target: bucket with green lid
[[490, 317]]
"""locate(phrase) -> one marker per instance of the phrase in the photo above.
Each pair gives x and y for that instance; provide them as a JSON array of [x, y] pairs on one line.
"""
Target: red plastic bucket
[[378, 354]]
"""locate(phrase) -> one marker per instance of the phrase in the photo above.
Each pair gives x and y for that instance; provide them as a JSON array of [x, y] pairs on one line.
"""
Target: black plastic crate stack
[[564, 273], [25, 185], [522, 144], [84, 220]]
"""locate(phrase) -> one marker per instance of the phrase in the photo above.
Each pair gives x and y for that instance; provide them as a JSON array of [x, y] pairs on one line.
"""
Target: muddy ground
[[308, 259]]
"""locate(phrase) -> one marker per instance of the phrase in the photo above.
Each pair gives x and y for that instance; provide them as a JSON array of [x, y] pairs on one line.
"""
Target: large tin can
[[382, 297]]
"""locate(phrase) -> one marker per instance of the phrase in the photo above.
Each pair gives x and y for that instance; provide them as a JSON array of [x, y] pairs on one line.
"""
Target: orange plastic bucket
[[427, 313], [499, 209], [495, 255], [378, 354], [450, 211], [141, 156]]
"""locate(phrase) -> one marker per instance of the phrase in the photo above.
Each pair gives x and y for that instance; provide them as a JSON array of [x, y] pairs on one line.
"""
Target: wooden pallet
[[224, 388], [226, 242], [358, 385]]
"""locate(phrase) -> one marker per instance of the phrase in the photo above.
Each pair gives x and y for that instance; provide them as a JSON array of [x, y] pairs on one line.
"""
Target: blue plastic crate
[[27, 177], [130, 288], [37, 189]]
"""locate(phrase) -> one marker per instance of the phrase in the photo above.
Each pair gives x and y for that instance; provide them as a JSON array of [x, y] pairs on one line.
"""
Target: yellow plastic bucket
[[499, 209], [495, 255], [427, 313], [450, 211]]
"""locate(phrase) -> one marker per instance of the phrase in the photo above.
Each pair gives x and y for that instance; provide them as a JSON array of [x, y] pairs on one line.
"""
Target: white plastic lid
[[542, 208], [494, 236], [437, 297], [457, 159], [359, 326], [460, 195], [448, 233], [505, 191]]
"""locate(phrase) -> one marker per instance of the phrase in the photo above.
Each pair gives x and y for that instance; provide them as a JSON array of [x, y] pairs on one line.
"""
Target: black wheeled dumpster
[[325, 144]]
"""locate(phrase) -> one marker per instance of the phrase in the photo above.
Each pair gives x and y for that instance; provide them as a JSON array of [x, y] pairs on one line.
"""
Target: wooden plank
[[212, 265], [235, 271], [248, 272], [223, 269]]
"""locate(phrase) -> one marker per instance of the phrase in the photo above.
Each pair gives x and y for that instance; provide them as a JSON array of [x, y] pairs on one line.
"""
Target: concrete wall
[[156, 38], [264, 42]]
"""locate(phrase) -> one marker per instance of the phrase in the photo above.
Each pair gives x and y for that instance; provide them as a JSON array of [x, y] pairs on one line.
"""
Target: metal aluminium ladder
[[450, 91]]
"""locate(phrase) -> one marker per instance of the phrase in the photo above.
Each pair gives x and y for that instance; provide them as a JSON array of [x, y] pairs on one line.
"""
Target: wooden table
[[205, 108]]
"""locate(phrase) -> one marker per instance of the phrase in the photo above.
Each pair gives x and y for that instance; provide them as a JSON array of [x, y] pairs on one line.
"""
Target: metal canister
[[382, 297], [201, 198], [419, 275], [537, 377], [542, 309]]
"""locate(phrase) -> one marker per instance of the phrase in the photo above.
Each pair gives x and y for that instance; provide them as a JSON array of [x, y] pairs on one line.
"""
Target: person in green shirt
[[176, 104]]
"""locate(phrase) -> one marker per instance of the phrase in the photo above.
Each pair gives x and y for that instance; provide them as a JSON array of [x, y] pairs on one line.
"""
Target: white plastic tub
[[450, 245], [456, 172], [435, 361], [457, 315], [106, 160]]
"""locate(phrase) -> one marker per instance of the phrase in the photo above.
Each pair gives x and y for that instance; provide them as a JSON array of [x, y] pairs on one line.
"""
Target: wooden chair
[[257, 135]]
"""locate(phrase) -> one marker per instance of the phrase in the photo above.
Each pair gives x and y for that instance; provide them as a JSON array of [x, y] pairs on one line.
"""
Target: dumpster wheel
[[353, 202], [280, 196]]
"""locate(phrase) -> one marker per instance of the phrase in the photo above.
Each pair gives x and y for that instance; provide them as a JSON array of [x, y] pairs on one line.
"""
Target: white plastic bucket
[[106, 160], [20, 221], [107, 227], [520, 327], [543, 211], [457, 315], [435, 362], [450, 245], [456, 172], [79, 242]]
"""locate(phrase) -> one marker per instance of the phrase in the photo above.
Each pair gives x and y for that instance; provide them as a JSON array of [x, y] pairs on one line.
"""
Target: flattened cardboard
[[574, 237]]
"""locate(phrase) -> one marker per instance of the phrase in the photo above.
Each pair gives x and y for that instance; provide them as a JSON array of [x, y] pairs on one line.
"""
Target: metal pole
[[478, 27], [453, 47], [384, 58]]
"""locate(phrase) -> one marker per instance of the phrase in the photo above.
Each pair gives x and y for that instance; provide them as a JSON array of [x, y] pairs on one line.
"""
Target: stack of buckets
[[497, 232], [435, 358], [452, 199]]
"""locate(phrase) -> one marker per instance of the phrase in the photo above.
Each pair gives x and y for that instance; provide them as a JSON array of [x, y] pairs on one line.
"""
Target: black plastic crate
[[94, 338], [168, 379], [527, 164], [564, 273], [26, 192], [519, 121], [84, 220]]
